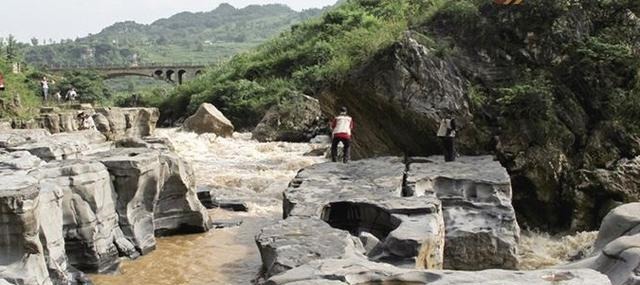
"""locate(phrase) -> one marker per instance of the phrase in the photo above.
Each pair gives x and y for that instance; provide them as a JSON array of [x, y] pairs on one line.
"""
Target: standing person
[[57, 97], [447, 133], [45, 88], [342, 125], [72, 94], [1, 82]]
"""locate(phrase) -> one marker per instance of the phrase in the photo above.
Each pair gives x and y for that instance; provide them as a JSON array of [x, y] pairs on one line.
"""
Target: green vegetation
[[186, 37], [301, 60], [19, 99]]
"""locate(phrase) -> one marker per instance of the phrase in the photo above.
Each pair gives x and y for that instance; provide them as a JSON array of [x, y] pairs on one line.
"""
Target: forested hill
[[185, 37]]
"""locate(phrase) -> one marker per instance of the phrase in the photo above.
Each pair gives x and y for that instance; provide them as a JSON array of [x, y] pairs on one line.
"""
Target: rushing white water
[[540, 250]]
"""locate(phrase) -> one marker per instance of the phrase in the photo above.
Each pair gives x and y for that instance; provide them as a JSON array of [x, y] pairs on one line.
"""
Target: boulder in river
[[208, 119]]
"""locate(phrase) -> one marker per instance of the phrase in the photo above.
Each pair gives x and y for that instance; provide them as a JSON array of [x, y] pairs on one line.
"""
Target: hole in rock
[[360, 217], [133, 154]]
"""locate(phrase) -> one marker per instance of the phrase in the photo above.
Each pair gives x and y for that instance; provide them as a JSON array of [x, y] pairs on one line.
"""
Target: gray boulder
[[208, 119], [617, 249], [360, 271], [19, 161], [298, 240], [481, 227], [296, 121]]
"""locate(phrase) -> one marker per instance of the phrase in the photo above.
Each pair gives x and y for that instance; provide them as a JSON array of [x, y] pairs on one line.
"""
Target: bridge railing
[[123, 66]]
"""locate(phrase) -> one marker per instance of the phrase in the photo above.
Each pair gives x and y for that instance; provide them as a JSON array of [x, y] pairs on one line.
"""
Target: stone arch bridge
[[173, 73]]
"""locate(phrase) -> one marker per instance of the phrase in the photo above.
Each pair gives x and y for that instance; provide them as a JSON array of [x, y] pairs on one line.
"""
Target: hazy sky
[[62, 19]]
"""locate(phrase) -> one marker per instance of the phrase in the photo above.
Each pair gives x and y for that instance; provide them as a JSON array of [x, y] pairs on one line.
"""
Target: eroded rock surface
[[22, 257], [366, 197], [178, 209], [136, 174], [297, 240], [361, 271], [481, 227], [92, 234], [65, 145]]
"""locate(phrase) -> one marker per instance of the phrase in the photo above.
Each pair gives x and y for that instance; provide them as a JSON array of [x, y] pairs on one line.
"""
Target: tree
[[12, 49], [34, 41]]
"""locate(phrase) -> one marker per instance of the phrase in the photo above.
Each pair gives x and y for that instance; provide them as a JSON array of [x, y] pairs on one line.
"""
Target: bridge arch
[[169, 75], [181, 74]]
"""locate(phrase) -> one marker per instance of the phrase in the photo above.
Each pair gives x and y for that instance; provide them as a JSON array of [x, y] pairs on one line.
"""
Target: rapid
[[257, 173]]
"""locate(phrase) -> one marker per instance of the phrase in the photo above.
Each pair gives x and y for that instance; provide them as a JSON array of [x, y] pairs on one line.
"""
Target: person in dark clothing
[[447, 133], [342, 125]]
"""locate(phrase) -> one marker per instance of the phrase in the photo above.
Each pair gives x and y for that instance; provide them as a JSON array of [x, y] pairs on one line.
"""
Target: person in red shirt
[[1, 82], [342, 125]]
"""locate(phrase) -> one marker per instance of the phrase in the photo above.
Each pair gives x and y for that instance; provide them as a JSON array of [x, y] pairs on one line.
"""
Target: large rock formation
[[91, 230], [137, 179], [208, 119], [365, 198], [481, 227], [297, 121], [617, 249], [66, 213], [118, 123], [23, 257], [178, 209]]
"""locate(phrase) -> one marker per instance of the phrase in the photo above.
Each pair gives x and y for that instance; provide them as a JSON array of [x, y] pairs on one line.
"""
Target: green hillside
[[552, 88], [185, 37]]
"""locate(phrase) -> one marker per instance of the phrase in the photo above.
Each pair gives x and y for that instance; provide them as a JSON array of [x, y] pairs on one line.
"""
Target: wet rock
[[137, 178], [361, 271], [297, 121], [93, 239], [366, 196], [178, 209], [617, 249], [225, 224], [23, 257], [11, 138], [481, 227], [298, 240], [215, 199], [208, 119]]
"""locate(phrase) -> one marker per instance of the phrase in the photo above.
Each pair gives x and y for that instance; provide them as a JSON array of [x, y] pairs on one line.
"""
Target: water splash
[[541, 250]]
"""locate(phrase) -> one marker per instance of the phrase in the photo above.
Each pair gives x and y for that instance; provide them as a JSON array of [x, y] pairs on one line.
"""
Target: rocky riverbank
[[389, 219], [77, 201]]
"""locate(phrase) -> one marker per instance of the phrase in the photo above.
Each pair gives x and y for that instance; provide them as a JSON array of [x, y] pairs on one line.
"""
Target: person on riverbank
[[71, 95], [57, 97], [1, 82], [86, 121], [44, 84], [447, 134], [342, 125]]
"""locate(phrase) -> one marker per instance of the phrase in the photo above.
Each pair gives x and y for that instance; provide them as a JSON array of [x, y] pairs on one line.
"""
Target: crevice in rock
[[357, 218]]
